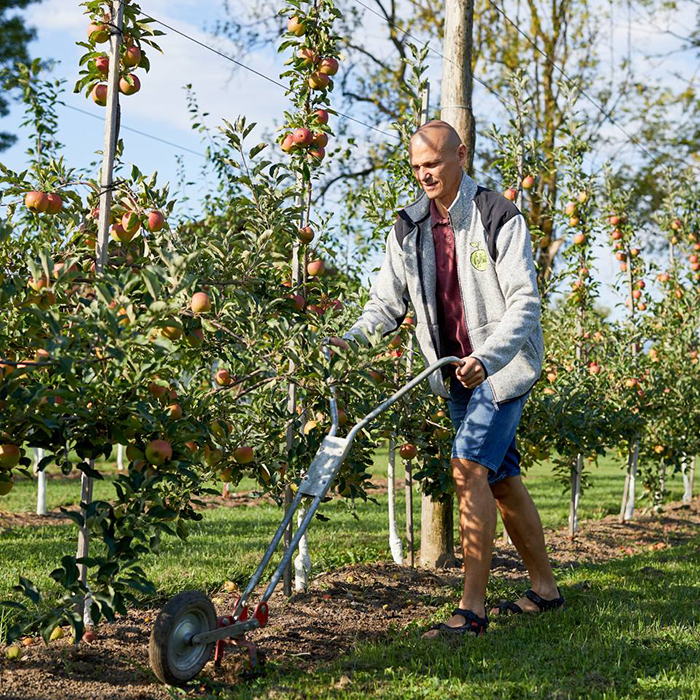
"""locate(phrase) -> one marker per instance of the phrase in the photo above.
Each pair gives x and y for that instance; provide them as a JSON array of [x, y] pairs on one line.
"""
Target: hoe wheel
[[173, 658]]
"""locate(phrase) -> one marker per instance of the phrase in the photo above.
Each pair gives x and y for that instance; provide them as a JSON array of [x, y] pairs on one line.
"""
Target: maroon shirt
[[451, 321]]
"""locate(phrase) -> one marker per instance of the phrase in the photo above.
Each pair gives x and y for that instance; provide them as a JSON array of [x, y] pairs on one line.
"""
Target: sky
[[160, 109]]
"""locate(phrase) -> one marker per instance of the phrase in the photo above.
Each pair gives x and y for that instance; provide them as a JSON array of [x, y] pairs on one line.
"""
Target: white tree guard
[[302, 562], [41, 482], [575, 495], [120, 458], [687, 471], [630, 484], [394, 540]]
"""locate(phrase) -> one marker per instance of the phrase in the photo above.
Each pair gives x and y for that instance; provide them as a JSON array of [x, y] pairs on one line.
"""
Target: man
[[461, 255]]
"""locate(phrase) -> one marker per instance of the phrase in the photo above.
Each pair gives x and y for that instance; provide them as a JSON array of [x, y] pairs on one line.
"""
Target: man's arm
[[518, 280], [388, 302]]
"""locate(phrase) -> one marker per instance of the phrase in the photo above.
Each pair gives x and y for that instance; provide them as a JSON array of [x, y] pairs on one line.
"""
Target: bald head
[[437, 134], [438, 157]]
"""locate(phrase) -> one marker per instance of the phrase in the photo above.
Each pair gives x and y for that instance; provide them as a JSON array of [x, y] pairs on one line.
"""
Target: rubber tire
[[163, 628]]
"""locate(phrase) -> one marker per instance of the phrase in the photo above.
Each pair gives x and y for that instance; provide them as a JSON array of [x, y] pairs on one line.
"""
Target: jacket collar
[[460, 209]]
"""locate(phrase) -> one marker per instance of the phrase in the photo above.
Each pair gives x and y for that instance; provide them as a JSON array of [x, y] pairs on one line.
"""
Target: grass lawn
[[630, 629], [228, 543]]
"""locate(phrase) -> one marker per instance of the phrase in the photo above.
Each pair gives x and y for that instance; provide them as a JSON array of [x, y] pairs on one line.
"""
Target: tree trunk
[[437, 533], [456, 91]]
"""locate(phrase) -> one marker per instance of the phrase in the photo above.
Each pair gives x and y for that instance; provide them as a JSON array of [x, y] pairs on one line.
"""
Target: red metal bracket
[[261, 613]]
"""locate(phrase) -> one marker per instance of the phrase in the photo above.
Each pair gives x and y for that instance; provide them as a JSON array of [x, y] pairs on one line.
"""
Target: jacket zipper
[[422, 291], [464, 309]]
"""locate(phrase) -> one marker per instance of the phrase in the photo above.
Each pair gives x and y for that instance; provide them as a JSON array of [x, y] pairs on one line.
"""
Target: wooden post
[[456, 90], [291, 408], [629, 491], [106, 183]]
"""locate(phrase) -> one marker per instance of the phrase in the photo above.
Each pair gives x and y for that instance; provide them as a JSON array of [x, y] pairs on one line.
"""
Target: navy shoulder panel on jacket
[[495, 211], [404, 225]]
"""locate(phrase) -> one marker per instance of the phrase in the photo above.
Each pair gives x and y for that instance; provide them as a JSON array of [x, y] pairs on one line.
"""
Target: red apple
[[641, 284], [294, 26], [55, 203], [306, 234], [299, 301], [320, 139], [158, 452], [97, 33], [318, 81], [316, 268], [222, 377], [636, 293], [175, 411], [131, 86], [132, 56], [579, 238], [616, 235], [594, 368], [308, 56], [694, 258], [614, 220], [634, 252], [99, 94], [9, 456], [171, 332], [322, 116], [642, 306], [302, 136], [318, 153], [36, 201], [528, 182], [243, 454], [570, 209], [329, 66], [287, 144], [157, 390], [676, 224], [131, 222], [583, 196], [408, 451], [511, 194], [621, 255], [574, 221], [155, 221], [200, 303], [102, 64]]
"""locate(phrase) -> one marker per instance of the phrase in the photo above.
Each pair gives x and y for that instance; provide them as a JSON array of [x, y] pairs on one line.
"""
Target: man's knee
[[506, 488], [468, 474]]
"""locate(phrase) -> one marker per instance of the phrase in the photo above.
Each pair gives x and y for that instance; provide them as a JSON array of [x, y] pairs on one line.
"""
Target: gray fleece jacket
[[497, 280]]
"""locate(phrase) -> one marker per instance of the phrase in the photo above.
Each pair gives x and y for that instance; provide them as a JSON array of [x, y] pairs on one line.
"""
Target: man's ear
[[462, 154]]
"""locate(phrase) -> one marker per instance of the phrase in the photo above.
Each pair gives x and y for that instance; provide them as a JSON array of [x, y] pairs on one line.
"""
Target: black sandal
[[509, 608], [473, 623]]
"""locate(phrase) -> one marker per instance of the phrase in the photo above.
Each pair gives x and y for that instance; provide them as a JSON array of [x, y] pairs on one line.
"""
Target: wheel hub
[[181, 650]]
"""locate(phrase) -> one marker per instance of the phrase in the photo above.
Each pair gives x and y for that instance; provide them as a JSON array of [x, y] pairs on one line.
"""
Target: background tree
[[14, 37]]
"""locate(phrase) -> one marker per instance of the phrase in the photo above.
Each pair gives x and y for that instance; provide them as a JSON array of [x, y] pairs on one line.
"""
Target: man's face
[[436, 165]]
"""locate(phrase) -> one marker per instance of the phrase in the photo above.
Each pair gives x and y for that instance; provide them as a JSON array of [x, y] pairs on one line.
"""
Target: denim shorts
[[486, 435]]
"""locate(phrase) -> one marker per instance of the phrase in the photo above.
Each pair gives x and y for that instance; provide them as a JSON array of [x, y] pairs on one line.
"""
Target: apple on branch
[[130, 84], [37, 202]]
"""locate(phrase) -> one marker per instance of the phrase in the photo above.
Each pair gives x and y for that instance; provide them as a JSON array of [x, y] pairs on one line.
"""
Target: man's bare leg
[[477, 527], [524, 526]]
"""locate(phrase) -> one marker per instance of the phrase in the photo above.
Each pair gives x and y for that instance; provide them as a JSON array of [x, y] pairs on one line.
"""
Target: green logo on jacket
[[479, 259]]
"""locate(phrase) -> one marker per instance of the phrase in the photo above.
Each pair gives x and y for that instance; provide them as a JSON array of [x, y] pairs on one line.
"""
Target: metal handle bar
[[401, 392]]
